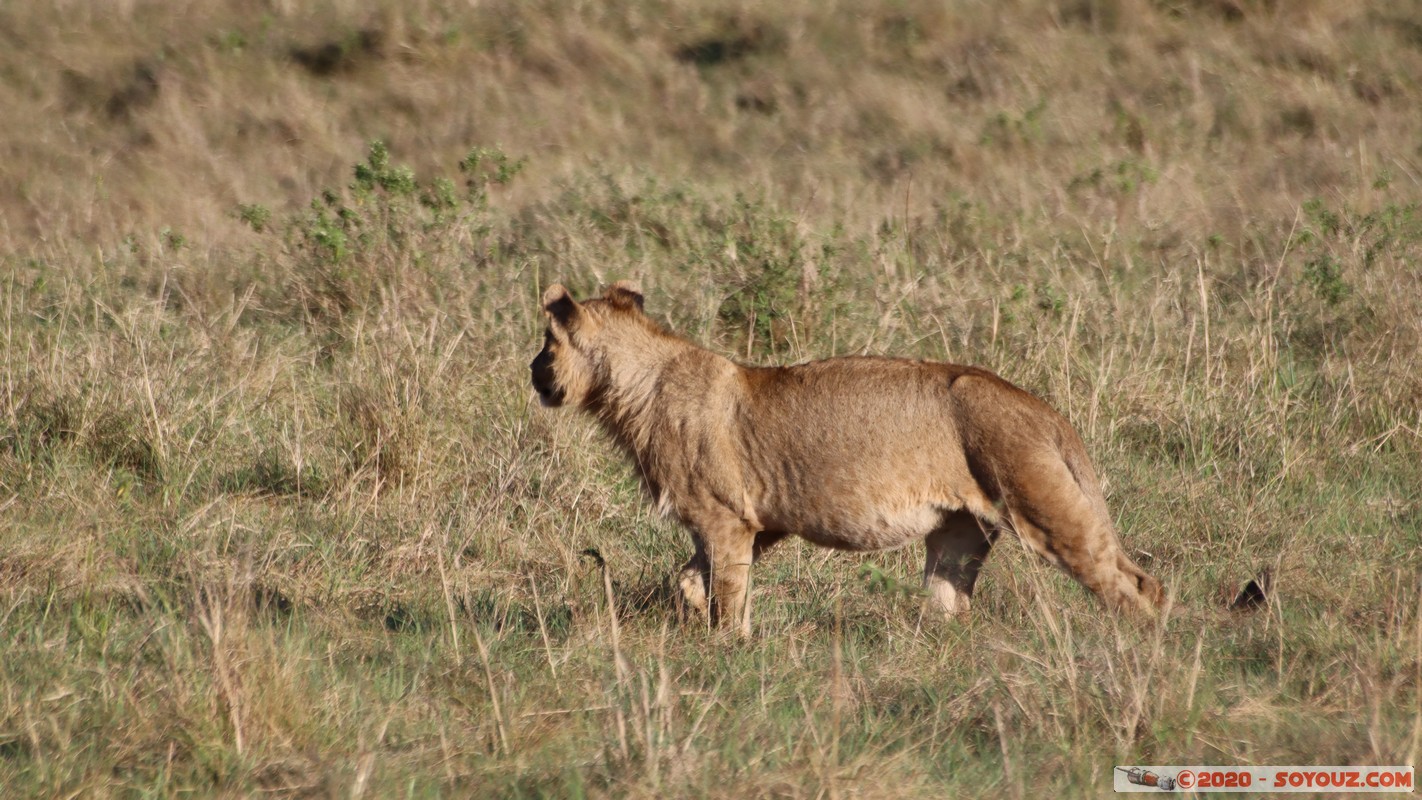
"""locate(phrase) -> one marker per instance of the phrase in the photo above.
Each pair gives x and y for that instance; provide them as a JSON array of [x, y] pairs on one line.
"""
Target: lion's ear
[[626, 294], [559, 305]]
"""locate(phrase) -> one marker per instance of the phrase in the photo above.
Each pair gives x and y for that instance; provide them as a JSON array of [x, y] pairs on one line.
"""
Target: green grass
[[279, 513]]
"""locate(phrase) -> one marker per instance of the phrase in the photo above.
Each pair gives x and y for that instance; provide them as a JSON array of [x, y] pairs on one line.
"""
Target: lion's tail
[[1073, 454]]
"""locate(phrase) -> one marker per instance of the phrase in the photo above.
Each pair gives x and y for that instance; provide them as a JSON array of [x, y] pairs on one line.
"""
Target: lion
[[858, 453]]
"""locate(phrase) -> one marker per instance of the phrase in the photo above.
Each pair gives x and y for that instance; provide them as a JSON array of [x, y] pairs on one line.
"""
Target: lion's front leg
[[689, 594], [731, 551], [725, 549]]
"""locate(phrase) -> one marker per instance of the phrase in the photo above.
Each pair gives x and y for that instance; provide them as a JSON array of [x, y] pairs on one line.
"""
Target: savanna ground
[[279, 515]]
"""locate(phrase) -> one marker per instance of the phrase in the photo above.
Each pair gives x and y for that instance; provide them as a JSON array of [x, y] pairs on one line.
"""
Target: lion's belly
[[860, 490], [865, 529]]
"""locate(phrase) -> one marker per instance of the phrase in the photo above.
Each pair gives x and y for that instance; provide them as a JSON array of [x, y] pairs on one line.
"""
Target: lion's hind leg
[[956, 551]]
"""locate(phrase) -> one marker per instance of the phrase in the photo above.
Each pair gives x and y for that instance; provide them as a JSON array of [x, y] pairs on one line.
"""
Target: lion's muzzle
[[541, 370]]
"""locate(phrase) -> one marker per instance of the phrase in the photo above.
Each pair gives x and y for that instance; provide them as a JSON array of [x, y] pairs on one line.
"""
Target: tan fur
[[853, 453]]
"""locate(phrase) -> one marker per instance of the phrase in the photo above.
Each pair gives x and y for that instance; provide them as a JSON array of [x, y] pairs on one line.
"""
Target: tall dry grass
[[277, 513]]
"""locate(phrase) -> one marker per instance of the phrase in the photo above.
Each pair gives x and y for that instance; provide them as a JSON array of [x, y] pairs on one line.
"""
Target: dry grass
[[277, 514]]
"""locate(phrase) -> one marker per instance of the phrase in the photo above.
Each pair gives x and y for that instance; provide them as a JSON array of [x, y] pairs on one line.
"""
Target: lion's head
[[572, 363]]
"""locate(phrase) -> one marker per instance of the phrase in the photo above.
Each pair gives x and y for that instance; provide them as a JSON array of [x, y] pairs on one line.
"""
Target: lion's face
[[565, 370], [560, 372]]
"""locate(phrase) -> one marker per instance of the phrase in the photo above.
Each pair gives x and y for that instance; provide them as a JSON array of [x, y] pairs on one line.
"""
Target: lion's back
[[858, 452], [855, 402]]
